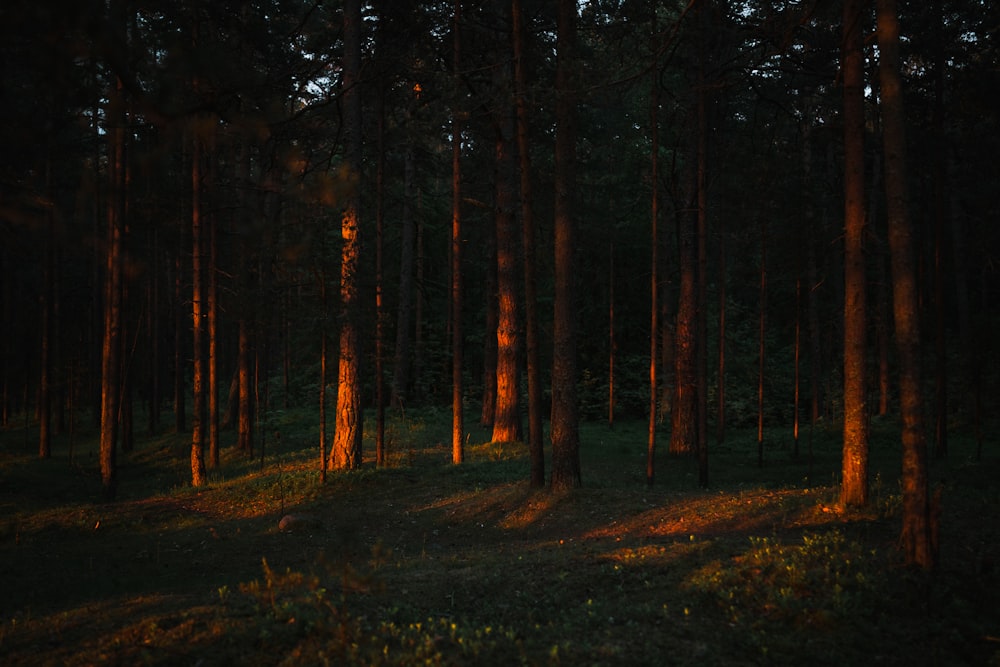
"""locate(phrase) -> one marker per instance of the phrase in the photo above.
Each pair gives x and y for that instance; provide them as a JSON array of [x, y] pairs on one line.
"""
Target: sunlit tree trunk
[[565, 414], [507, 420], [535, 445], [920, 514], [854, 483], [346, 450], [654, 243], [457, 384], [111, 348], [198, 293]]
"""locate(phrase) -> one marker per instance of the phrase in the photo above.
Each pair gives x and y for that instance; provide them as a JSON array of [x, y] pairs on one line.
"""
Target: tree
[[455, 291], [854, 484], [654, 242], [345, 454], [111, 347], [535, 446], [919, 534], [198, 303], [565, 416], [507, 419]]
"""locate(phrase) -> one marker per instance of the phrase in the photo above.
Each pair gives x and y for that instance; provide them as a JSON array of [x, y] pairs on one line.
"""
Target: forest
[[561, 256]]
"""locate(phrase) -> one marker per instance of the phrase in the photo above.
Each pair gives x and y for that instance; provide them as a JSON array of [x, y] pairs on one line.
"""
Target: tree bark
[[854, 483], [565, 414], [536, 448], [198, 291], [346, 451], [457, 383], [654, 242], [507, 419], [920, 514], [111, 348]]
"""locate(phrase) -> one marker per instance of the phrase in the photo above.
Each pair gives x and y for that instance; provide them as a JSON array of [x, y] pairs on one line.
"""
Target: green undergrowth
[[421, 562]]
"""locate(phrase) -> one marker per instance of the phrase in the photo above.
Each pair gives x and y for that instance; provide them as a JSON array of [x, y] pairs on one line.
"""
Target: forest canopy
[[212, 174]]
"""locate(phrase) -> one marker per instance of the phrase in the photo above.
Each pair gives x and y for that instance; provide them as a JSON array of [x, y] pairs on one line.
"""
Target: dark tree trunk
[[536, 447], [111, 348], [920, 513], [457, 384], [565, 414], [854, 484]]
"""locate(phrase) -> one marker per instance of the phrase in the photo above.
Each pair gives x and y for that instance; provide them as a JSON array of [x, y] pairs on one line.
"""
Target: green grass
[[423, 562]]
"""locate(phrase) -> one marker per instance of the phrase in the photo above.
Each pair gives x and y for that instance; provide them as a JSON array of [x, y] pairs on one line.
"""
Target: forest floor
[[423, 562]]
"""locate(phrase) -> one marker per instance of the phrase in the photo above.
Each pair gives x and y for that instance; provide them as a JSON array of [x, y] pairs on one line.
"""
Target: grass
[[422, 562]]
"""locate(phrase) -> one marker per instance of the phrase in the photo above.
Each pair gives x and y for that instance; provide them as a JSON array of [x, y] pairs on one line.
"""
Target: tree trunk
[[457, 384], [654, 243], [701, 326], [245, 410], [111, 348], [198, 293], [45, 333], [535, 445], [507, 419], [380, 277], [565, 414], [684, 406], [920, 514], [854, 485], [213, 344], [346, 451], [761, 347]]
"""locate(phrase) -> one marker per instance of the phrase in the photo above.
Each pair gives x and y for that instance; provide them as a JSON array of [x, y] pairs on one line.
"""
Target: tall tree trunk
[[920, 513], [565, 413], [322, 375], [46, 326], [536, 447], [457, 384], [153, 327], [346, 451], [198, 293], [213, 342], [701, 326], [854, 485], [720, 394], [380, 274], [507, 420], [111, 348], [246, 393], [654, 261], [180, 408], [684, 406], [489, 402], [761, 347]]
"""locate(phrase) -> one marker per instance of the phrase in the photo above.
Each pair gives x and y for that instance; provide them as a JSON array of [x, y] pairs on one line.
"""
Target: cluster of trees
[[696, 212]]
